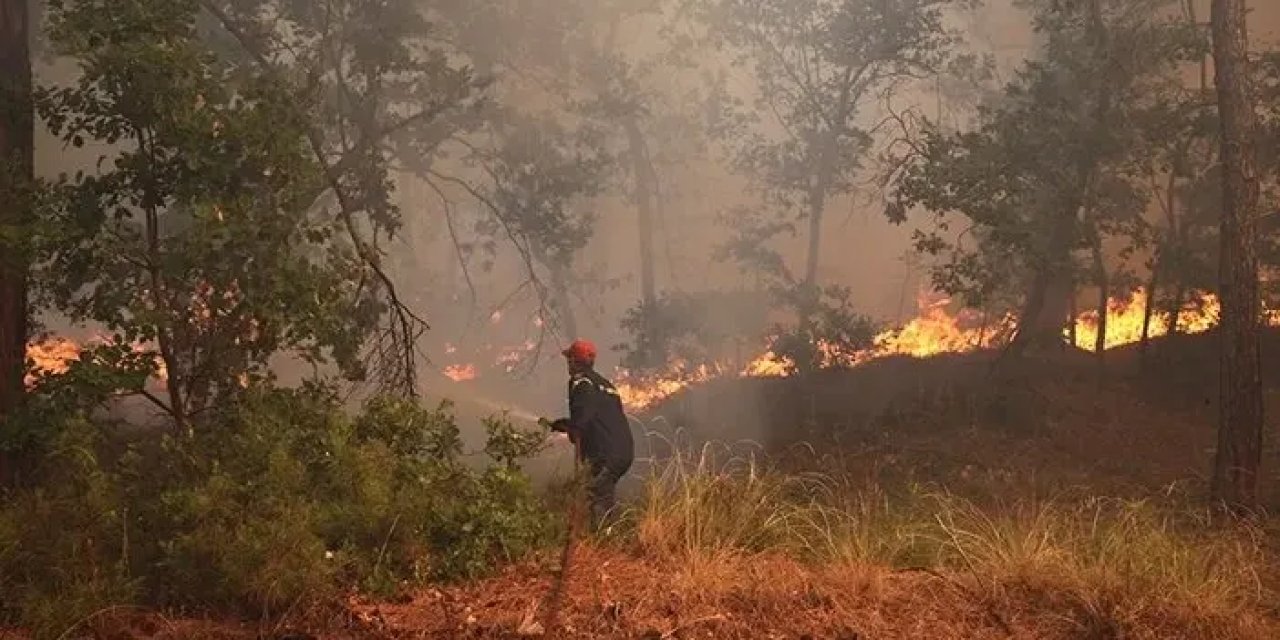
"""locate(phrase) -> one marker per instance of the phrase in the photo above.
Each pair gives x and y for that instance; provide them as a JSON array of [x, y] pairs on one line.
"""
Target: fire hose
[[573, 527]]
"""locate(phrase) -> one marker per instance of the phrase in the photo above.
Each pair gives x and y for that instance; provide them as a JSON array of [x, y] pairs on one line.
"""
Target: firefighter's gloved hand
[[560, 426]]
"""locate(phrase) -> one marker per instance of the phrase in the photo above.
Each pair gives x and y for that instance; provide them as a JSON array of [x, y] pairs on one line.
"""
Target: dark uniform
[[598, 425]]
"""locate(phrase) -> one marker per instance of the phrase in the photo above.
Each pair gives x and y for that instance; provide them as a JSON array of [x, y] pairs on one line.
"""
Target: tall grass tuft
[[1110, 559]]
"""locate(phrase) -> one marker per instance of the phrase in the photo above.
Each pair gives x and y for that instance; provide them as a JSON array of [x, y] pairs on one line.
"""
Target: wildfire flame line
[[937, 331], [934, 331]]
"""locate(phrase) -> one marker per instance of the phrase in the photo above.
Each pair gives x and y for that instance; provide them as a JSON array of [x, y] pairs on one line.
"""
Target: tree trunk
[[1239, 455], [645, 186], [16, 177], [817, 206], [1104, 297], [560, 291], [1044, 314], [810, 291], [1174, 312], [1073, 330], [1102, 51], [1148, 308], [1159, 265]]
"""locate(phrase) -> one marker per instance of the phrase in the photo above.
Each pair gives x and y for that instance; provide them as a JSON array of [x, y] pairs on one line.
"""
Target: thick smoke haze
[[531, 50]]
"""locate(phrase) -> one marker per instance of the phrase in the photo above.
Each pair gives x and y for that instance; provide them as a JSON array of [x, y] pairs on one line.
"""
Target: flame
[[1125, 318], [639, 392], [50, 357], [53, 356], [937, 331], [460, 372]]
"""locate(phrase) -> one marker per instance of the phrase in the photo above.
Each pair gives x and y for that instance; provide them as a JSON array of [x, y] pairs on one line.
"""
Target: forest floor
[[614, 593]]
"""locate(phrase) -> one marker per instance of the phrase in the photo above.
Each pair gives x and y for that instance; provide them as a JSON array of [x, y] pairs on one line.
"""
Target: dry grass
[[746, 551], [740, 550]]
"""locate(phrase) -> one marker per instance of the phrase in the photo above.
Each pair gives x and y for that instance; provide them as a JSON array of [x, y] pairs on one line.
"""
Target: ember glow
[[460, 372]]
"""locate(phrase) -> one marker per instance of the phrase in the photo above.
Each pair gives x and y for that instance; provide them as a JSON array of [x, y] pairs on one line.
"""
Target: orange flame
[[460, 372], [1125, 319], [934, 332], [50, 357], [54, 356]]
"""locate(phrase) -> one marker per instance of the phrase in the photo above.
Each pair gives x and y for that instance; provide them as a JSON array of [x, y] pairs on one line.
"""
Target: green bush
[[279, 500], [64, 543]]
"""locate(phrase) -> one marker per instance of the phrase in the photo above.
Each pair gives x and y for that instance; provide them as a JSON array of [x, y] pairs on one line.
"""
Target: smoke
[[532, 49]]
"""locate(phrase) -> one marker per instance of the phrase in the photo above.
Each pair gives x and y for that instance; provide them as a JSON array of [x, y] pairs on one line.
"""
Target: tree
[[199, 240], [383, 89], [16, 178], [817, 67], [538, 174], [1239, 454], [578, 64], [1045, 174]]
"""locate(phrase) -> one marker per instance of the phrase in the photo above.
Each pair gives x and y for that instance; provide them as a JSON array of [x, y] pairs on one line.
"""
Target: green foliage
[[63, 543], [197, 238], [539, 173], [833, 334], [829, 331], [1061, 162], [286, 501], [700, 328], [817, 65]]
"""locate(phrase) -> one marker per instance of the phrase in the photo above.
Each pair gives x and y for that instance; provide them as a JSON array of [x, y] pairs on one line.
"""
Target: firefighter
[[599, 428]]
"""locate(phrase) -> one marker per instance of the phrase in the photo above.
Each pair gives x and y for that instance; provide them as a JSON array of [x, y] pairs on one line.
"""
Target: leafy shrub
[[276, 500], [63, 544]]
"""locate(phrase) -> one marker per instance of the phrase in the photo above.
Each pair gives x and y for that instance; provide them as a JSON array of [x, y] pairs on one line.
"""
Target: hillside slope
[[1149, 421]]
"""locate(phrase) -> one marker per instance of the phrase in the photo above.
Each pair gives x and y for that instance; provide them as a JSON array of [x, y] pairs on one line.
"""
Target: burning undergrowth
[[940, 328]]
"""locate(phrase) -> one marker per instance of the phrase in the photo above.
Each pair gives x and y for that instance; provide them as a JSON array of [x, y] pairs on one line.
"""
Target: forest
[[927, 318]]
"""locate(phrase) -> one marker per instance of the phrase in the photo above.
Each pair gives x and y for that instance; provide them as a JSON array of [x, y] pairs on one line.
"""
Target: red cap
[[581, 350]]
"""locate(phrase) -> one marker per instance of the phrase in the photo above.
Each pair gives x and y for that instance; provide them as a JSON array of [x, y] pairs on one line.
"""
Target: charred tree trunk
[[1104, 296], [1044, 314], [1239, 455], [810, 291], [1102, 120], [645, 184], [1073, 312], [1159, 265], [16, 177], [1173, 315], [1148, 308]]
